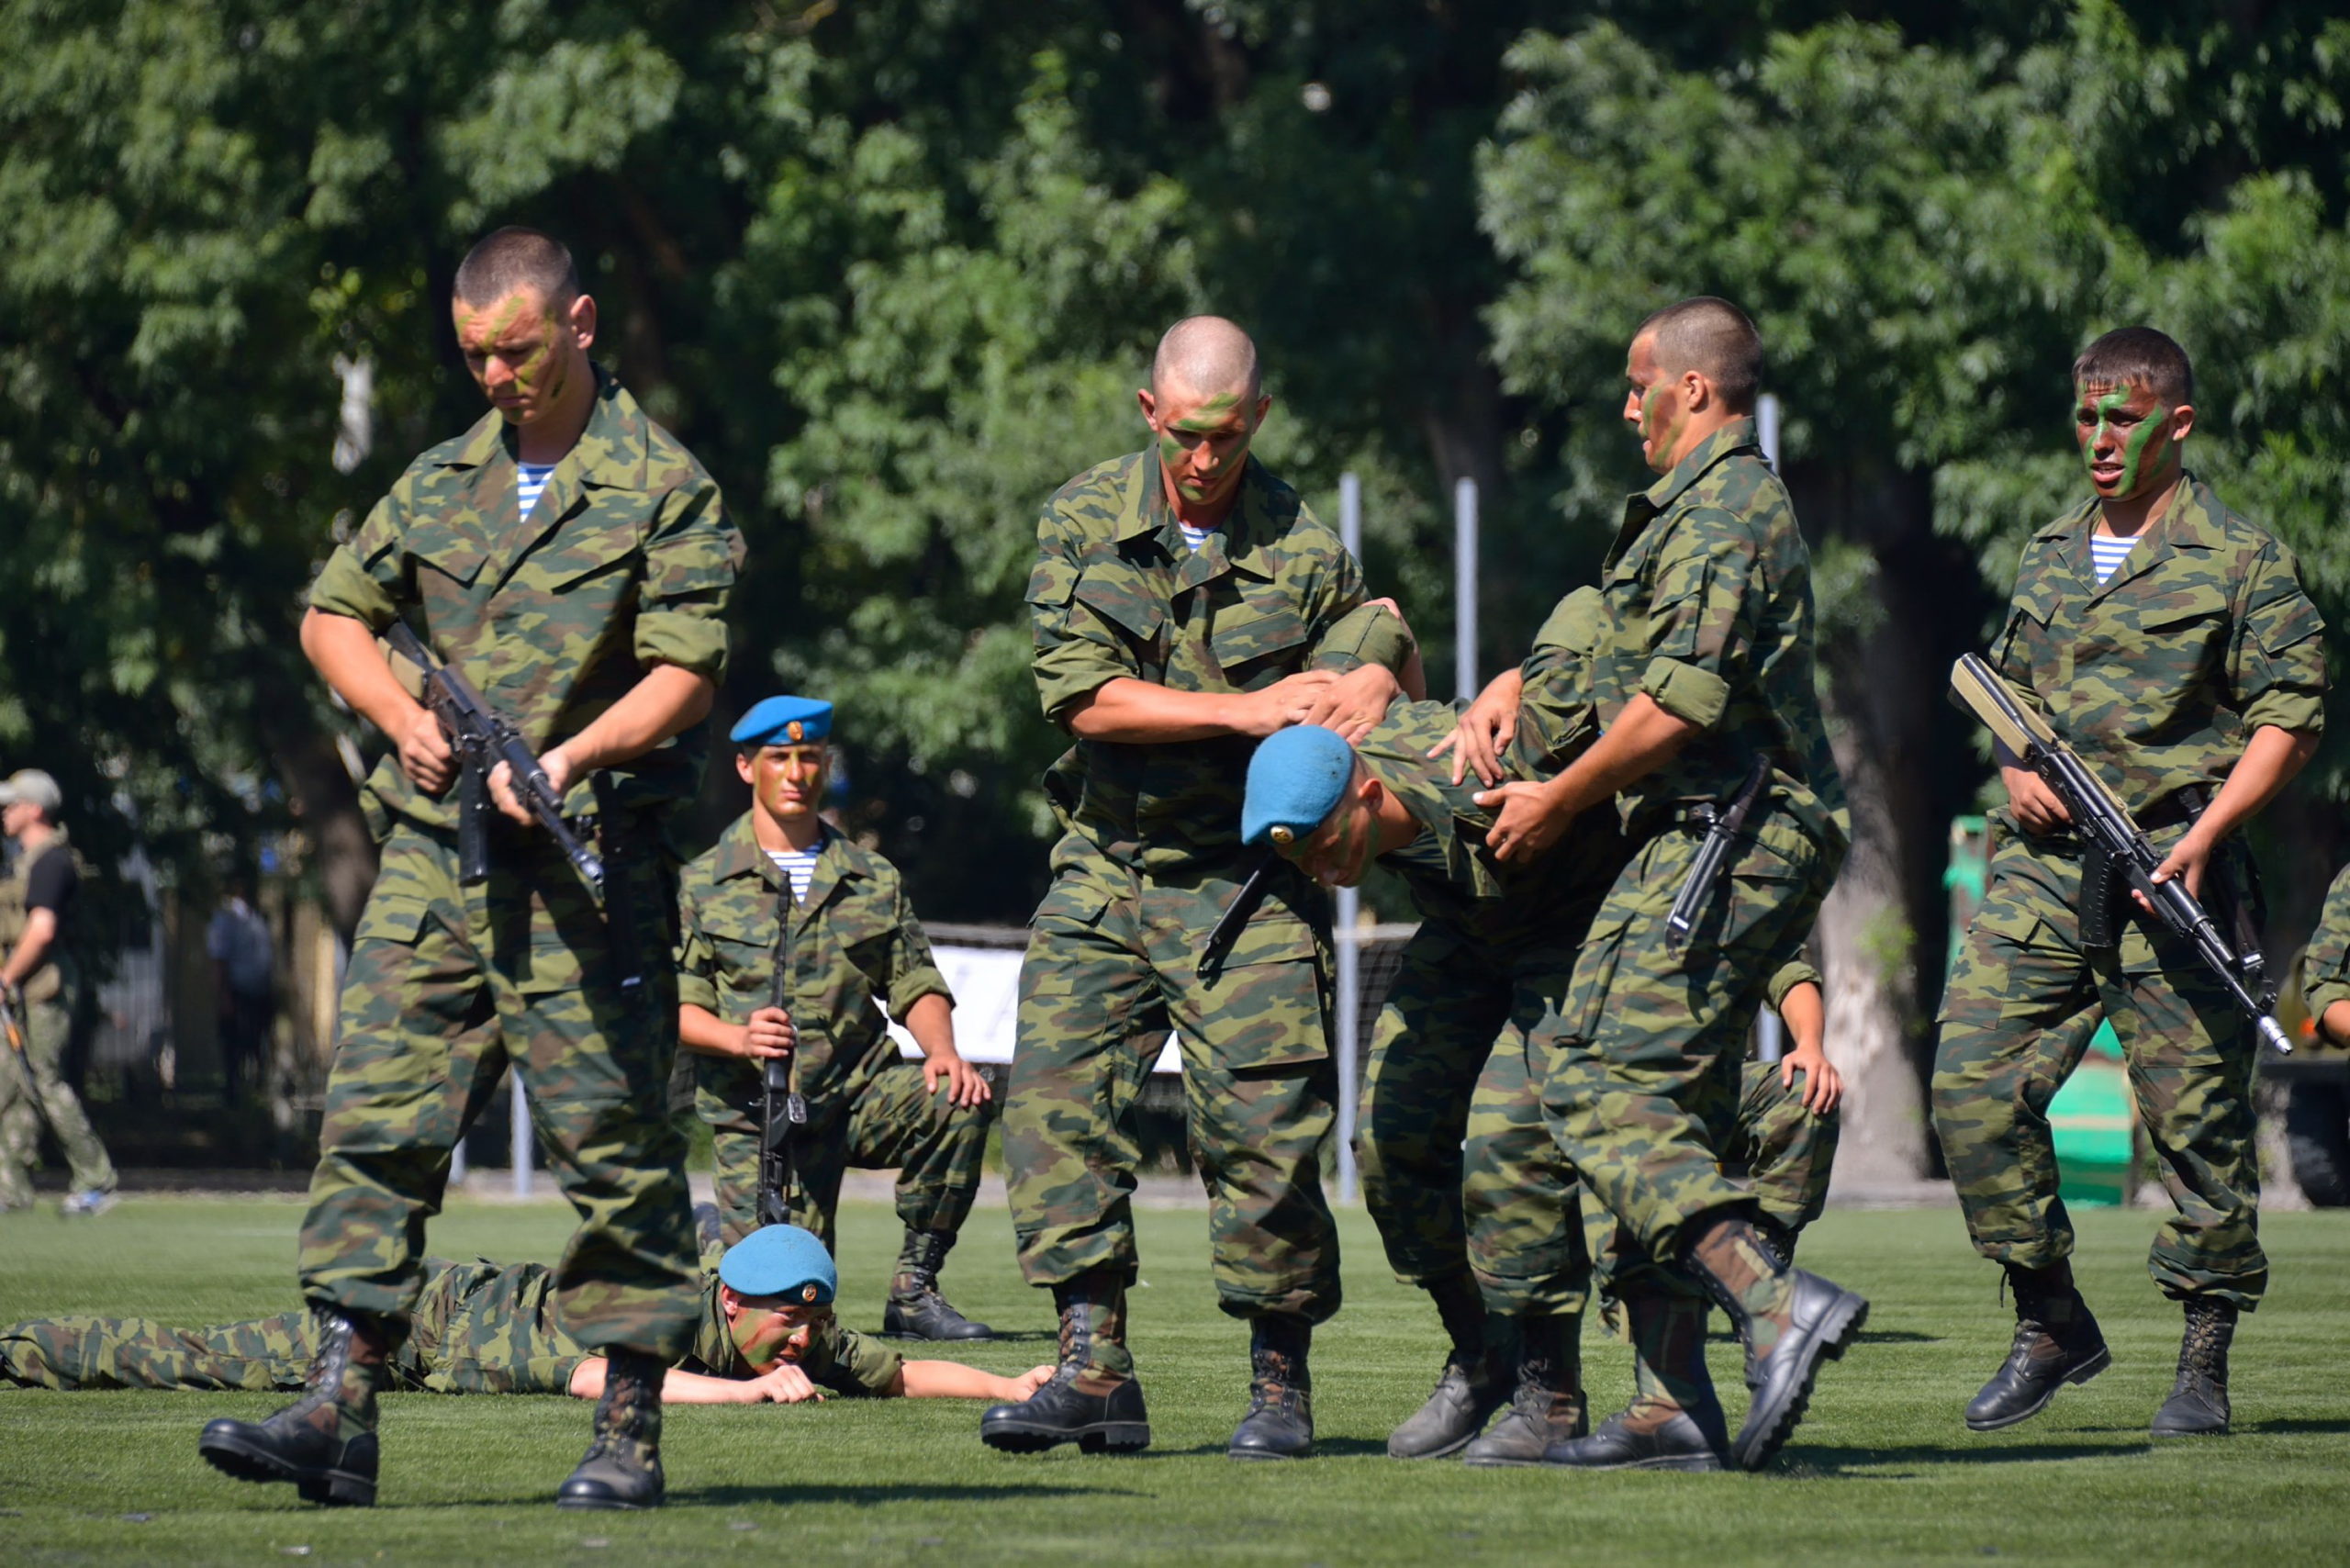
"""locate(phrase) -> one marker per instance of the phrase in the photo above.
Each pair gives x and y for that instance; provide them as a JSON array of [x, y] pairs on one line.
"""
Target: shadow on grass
[[1868, 1464], [2286, 1425], [864, 1496], [1324, 1448]]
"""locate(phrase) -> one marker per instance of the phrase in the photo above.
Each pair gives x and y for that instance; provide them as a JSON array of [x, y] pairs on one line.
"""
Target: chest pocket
[[1120, 597], [601, 540], [448, 562], [1259, 638]]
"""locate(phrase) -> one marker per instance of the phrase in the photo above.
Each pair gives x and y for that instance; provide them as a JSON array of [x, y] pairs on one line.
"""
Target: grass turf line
[[1881, 1471]]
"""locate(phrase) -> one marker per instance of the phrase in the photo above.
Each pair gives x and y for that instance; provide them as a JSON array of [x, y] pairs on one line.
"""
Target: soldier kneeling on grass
[[767, 1335]]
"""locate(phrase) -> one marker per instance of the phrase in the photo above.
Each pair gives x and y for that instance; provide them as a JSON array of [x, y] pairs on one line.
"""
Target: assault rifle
[[1722, 824], [1235, 915], [782, 1111], [11, 1021], [483, 738], [2106, 828]]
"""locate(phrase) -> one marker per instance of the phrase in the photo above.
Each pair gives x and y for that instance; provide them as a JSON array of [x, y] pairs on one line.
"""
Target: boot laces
[[2208, 1330]]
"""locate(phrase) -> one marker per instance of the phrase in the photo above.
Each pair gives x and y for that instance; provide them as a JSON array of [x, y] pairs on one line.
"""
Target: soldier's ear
[[581, 319], [1149, 405], [2182, 422], [742, 765]]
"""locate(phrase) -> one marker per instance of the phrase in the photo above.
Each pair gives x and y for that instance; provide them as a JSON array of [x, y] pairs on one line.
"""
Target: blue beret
[[783, 721], [1294, 779], [780, 1260]]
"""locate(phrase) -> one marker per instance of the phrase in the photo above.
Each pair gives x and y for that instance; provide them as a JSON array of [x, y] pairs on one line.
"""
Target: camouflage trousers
[[2012, 1032], [1460, 1169], [1641, 1052], [877, 1117], [33, 1089], [1113, 965], [478, 1328], [450, 984]]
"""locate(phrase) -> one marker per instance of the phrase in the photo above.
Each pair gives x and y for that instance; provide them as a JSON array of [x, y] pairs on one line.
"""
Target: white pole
[[1348, 915], [1464, 589], [457, 1169], [518, 1135], [1770, 1033]]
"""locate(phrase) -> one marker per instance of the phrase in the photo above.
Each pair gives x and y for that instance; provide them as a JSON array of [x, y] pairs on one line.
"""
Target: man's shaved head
[[1714, 338], [1206, 354], [516, 258]]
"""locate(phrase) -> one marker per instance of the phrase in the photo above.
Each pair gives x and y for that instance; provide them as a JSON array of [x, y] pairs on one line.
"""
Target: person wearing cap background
[[854, 948], [767, 1333], [40, 982]]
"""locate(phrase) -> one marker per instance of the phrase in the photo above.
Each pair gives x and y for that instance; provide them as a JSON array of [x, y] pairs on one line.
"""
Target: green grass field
[[1882, 1472]]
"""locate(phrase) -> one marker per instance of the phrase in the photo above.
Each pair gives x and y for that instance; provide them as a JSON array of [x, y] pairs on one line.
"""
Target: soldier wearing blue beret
[[779, 880], [767, 1333]]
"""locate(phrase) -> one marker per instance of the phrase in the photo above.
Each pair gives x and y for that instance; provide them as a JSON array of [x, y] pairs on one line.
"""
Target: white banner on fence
[[986, 983]]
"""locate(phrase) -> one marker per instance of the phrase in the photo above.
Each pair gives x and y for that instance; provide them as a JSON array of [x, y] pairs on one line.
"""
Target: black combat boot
[[622, 1466], [1280, 1423], [1790, 1321], [1093, 1400], [1471, 1387], [1673, 1422], [2057, 1342], [1547, 1407], [916, 1310], [2198, 1405], [325, 1441]]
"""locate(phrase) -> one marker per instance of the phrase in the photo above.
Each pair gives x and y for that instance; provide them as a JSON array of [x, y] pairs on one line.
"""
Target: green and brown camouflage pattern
[[2325, 965], [2016, 1016], [479, 1327], [447, 986], [626, 562], [1150, 857], [2158, 677], [856, 948], [1706, 607], [1640, 1048], [1116, 592], [34, 1088], [1112, 966]]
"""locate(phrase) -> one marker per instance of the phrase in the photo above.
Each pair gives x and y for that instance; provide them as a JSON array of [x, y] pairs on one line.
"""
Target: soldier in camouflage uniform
[[2325, 966], [40, 982], [484, 1327], [853, 940], [2169, 643], [592, 618], [1184, 604], [1703, 669]]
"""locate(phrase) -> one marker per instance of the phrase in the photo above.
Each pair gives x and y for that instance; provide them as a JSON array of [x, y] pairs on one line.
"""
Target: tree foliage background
[[893, 268]]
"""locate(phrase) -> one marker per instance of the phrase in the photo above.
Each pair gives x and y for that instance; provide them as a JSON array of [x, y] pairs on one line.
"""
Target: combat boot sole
[[1013, 1436], [2096, 1364], [1825, 1320], [230, 1447]]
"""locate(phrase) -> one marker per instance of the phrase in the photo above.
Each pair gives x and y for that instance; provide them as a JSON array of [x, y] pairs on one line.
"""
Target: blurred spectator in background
[[243, 965]]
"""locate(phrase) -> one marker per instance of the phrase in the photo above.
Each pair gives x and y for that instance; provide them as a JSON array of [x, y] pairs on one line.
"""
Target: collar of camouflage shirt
[[614, 452], [739, 855], [1733, 436], [1241, 539], [2191, 524]]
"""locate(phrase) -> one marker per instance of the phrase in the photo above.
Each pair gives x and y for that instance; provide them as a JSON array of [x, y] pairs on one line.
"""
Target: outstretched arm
[[953, 1380]]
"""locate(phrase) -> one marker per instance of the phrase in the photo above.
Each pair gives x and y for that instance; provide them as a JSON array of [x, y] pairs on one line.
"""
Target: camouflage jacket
[[626, 562], [2158, 677], [2325, 967], [854, 939], [1706, 607], [1451, 874], [1116, 592], [56, 970]]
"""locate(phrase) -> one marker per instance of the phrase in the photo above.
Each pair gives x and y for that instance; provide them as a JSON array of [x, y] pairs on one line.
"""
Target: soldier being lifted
[[1701, 675], [1185, 604], [574, 562], [2168, 641], [852, 941]]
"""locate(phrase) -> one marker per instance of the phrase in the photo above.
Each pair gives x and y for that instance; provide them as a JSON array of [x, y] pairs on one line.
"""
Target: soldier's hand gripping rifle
[[782, 1112], [2106, 829], [482, 738]]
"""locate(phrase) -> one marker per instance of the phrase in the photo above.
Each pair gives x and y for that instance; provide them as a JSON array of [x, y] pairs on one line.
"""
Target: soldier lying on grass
[[767, 1335]]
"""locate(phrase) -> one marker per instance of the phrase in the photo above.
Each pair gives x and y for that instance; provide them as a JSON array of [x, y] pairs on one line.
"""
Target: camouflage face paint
[[523, 335], [1202, 448], [2124, 436], [1651, 406], [768, 1334], [788, 781]]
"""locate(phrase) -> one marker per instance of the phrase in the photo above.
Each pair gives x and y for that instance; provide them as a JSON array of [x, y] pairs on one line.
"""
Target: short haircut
[[1206, 353], [2138, 356], [1714, 338], [518, 258]]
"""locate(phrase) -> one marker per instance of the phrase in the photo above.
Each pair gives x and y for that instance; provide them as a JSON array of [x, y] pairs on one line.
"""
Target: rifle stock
[[2105, 824]]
